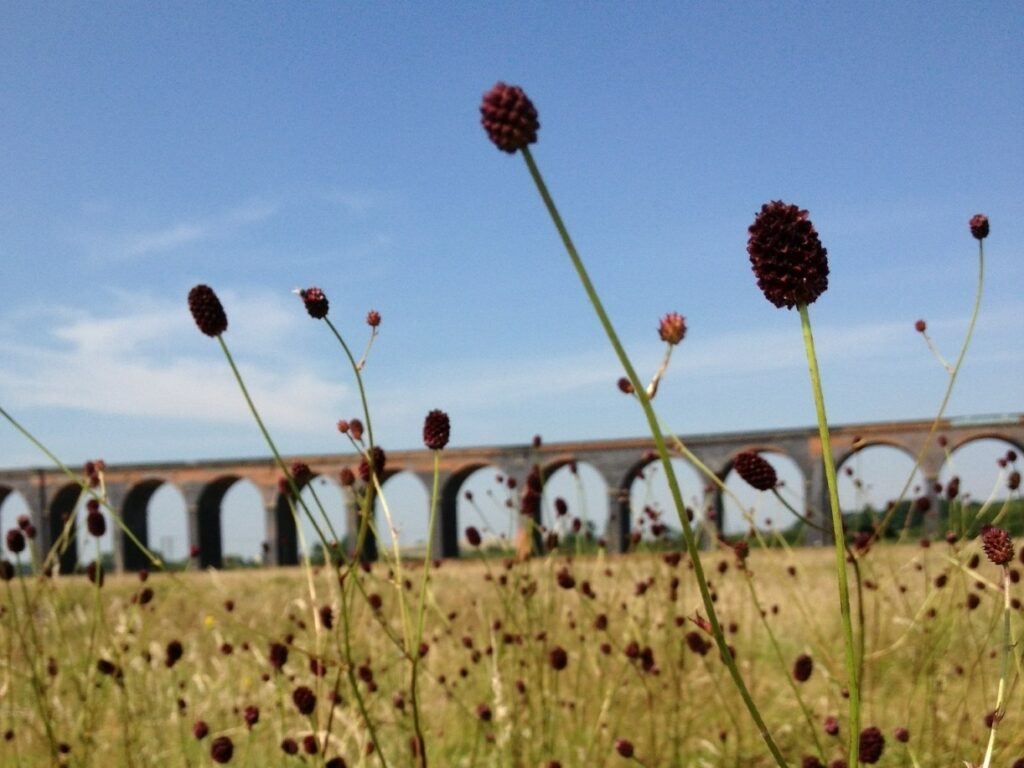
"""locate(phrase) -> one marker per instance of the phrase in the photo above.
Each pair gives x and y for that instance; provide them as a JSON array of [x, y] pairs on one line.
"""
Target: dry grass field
[[558, 661]]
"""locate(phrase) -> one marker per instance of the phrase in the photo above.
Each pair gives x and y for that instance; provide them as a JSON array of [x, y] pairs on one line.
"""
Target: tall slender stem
[[840, 539], [659, 441]]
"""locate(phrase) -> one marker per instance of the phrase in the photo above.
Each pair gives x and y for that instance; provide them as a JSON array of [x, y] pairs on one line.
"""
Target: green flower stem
[[357, 370], [418, 637], [945, 398], [659, 441], [1004, 669], [292, 485], [763, 616], [840, 540], [858, 583], [350, 670]]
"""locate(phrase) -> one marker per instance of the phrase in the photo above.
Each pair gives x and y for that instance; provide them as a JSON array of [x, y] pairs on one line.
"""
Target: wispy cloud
[[147, 363], [179, 234]]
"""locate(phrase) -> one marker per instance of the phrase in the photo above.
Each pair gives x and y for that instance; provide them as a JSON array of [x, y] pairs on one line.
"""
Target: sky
[[259, 148]]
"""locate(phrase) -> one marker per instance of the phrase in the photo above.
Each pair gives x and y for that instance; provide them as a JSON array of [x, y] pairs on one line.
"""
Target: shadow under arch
[[60, 512], [135, 516], [285, 543], [208, 521], [446, 539]]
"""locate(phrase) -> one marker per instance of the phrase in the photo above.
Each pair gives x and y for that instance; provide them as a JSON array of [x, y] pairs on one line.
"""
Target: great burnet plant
[[511, 122], [210, 317], [791, 267]]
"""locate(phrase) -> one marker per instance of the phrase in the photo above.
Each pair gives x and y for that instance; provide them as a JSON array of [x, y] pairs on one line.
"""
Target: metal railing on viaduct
[[52, 497]]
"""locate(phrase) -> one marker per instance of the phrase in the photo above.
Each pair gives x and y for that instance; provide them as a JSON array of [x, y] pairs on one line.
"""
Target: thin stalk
[[357, 370], [840, 539], [1004, 670], [782, 660], [945, 398], [421, 750], [659, 441], [292, 485]]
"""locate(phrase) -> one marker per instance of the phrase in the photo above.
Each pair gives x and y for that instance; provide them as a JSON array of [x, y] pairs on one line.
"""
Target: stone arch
[[446, 539], [881, 460], [982, 470], [646, 485], [243, 516], [458, 502], [768, 511], [584, 489]]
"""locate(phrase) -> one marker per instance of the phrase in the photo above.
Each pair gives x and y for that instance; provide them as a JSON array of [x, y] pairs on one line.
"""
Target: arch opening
[[479, 497], [575, 511], [650, 513], [980, 483], [408, 503], [762, 509], [13, 507], [870, 481]]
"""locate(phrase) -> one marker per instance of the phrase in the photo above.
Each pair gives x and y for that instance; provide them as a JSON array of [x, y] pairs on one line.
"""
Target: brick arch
[[286, 539]]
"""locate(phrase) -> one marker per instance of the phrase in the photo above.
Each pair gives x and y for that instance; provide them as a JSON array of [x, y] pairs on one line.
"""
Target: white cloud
[[153, 363], [183, 233]]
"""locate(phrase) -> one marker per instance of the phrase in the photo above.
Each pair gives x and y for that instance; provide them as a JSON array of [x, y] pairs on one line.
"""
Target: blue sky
[[263, 147]]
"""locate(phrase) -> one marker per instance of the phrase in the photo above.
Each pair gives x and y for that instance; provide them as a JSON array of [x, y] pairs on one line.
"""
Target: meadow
[[100, 664], [692, 650]]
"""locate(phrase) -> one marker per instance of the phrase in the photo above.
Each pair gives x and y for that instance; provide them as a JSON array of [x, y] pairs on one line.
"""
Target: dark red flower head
[[373, 318], [304, 699], [379, 460], [872, 743], [789, 261], [672, 328], [316, 302], [979, 226], [15, 540], [436, 429], [802, 668], [997, 544], [207, 310], [755, 470], [222, 749], [509, 117]]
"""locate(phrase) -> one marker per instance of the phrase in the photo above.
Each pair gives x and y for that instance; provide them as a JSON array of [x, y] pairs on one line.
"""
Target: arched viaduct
[[51, 496]]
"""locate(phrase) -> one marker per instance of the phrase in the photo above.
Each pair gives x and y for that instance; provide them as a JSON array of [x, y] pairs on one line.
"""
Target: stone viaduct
[[51, 496]]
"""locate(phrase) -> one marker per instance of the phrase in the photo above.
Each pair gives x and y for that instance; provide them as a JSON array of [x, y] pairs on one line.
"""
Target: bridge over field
[[51, 497]]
